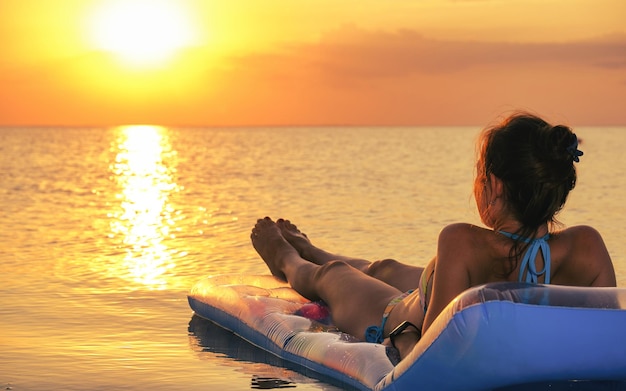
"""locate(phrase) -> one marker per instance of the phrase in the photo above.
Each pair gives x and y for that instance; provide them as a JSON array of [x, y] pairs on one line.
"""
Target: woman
[[524, 173]]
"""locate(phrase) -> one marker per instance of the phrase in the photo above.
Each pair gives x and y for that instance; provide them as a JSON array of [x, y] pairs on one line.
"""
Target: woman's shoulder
[[578, 243], [579, 235], [584, 258], [465, 236], [464, 230]]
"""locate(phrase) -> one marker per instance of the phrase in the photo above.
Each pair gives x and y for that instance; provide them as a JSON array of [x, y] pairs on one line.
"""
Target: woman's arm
[[451, 270]]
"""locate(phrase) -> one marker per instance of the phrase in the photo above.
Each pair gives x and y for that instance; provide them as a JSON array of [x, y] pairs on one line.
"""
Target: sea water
[[104, 230]]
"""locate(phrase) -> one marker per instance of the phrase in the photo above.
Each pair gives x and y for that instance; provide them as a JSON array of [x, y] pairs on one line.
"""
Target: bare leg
[[403, 277], [308, 251], [356, 300]]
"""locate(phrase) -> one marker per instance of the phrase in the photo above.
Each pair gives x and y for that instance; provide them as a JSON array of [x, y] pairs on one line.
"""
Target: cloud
[[404, 77], [354, 53]]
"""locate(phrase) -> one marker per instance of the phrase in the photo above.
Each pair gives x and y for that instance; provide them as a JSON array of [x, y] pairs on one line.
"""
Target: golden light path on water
[[143, 170]]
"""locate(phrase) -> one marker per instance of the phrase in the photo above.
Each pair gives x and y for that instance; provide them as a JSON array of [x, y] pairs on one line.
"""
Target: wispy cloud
[[406, 77], [354, 53]]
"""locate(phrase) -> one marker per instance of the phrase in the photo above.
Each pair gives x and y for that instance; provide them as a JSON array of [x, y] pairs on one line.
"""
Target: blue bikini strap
[[375, 334], [530, 268]]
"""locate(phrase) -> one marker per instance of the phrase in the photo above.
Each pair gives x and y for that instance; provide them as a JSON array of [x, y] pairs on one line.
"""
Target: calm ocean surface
[[103, 231]]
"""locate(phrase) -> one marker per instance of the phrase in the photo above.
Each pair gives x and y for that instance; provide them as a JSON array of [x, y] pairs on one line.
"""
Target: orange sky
[[287, 62]]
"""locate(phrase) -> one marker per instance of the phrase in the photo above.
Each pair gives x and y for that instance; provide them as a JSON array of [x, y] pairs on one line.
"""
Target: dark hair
[[535, 162]]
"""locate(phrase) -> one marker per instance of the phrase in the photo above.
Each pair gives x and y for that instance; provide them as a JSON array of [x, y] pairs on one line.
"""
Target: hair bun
[[564, 144]]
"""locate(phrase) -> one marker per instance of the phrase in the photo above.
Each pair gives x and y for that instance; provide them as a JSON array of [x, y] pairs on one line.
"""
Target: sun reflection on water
[[143, 170]]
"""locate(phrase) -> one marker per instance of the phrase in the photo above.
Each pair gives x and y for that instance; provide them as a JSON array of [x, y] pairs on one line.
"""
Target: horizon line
[[302, 125]]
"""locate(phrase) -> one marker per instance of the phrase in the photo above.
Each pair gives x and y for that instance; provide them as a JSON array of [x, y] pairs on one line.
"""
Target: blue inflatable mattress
[[502, 335]]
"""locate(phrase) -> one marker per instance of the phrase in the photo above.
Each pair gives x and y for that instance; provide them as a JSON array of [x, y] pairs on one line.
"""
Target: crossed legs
[[357, 300], [401, 276], [356, 290]]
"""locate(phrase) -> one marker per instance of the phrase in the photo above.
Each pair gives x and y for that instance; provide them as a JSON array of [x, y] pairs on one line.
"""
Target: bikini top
[[528, 265]]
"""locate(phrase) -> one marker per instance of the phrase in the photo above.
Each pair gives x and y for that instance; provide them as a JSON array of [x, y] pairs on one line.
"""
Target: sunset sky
[[297, 62]]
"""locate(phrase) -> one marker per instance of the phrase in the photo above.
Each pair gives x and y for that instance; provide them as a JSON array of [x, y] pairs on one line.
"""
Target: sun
[[141, 32]]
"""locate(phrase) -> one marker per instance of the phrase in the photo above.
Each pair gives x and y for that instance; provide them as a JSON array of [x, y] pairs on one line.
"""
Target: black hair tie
[[574, 151]]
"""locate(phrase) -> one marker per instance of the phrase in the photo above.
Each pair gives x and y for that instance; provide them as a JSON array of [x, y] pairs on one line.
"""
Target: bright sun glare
[[141, 32]]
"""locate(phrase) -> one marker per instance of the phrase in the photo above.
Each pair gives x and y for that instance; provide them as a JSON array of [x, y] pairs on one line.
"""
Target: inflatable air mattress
[[495, 336]]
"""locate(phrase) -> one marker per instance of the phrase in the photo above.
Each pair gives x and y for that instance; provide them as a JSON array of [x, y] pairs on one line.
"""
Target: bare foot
[[271, 246], [295, 237]]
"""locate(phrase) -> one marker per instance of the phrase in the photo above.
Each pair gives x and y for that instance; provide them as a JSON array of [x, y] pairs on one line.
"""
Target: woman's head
[[534, 161]]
